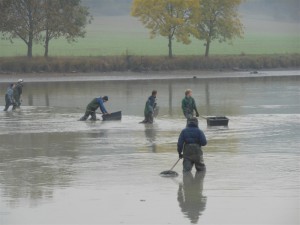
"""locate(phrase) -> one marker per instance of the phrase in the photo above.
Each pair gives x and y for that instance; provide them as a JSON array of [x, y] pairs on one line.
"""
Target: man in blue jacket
[[189, 146], [93, 106]]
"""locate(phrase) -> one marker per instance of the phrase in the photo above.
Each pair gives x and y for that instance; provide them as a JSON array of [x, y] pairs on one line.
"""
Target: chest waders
[[193, 155], [90, 110], [188, 111]]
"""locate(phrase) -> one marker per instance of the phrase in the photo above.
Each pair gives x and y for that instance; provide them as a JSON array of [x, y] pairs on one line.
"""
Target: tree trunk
[[30, 34], [170, 47], [46, 44], [29, 46], [207, 48]]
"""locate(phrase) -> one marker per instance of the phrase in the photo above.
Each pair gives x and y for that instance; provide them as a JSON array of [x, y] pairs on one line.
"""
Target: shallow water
[[55, 169]]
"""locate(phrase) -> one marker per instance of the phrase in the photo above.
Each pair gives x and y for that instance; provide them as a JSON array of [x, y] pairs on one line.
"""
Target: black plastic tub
[[112, 116], [217, 121]]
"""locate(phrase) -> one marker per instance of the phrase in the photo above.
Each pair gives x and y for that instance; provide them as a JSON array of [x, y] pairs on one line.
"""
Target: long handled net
[[170, 172]]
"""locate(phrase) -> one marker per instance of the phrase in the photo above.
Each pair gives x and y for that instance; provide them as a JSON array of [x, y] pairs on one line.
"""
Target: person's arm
[[183, 105], [202, 138], [102, 108], [149, 105], [180, 143]]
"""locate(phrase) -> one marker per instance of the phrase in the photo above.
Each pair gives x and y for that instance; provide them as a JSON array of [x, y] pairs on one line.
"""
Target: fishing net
[[168, 173]]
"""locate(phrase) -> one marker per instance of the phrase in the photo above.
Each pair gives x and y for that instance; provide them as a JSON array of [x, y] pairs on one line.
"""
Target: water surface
[[55, 169]]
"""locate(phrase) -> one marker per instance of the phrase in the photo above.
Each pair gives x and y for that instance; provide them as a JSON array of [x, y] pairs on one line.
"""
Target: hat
[[20, 81], [105, 98], [192, 121]]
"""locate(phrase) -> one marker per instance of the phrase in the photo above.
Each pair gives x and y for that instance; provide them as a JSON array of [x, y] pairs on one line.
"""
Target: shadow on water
[[189, 196]]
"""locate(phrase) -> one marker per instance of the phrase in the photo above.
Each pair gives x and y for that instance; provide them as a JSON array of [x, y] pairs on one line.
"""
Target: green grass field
[[118, 35]]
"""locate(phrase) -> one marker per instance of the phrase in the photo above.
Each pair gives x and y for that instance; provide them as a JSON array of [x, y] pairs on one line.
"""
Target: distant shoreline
[[137, 76]]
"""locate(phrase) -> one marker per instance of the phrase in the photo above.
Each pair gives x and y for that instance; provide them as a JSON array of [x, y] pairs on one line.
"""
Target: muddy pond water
[[55, 169]]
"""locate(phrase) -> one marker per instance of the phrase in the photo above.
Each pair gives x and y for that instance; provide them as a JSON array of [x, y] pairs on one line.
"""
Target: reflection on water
[[33, 165], [190, 198], [50, 161], [213, 96], [150, 133]]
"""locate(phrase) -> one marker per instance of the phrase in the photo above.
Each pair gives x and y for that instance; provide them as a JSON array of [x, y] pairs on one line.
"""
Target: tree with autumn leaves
[[168, 18], [42, 20], [206, 20]]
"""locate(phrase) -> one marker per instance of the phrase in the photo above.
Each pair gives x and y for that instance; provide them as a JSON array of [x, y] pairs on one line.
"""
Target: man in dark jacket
[[189, 146], [9, 99], [17, 93], [150, 107], [188, 105], [93, 106]]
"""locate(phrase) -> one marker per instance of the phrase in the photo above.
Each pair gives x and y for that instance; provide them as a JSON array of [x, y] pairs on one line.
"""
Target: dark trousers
[[148, 118], [193, 155], [7, 103], [87, 114], [189, 115]]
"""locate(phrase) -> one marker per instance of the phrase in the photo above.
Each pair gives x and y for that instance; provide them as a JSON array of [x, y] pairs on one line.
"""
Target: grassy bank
[[146, 63], [110, 36]]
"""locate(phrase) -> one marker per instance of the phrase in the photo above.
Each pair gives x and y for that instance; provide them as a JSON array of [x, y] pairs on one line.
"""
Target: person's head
[[192, 122], [154, 93], [20, 81], [188, 93], [105, 98]]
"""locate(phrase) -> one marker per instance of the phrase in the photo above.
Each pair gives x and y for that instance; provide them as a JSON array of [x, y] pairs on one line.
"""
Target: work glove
[[180, 156], [197, 114]]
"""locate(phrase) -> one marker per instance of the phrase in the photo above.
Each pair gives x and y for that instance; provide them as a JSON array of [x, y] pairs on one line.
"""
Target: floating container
[[217, 121], [112, 116]]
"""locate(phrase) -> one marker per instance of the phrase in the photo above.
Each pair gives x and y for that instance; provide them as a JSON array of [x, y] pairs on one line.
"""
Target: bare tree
[[21, 19]]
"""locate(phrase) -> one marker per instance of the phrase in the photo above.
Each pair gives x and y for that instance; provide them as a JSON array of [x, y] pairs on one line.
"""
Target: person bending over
[[93, 106]]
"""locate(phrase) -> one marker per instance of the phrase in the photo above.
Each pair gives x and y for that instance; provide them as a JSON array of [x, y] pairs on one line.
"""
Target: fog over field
[[270, 27], [258, 16]]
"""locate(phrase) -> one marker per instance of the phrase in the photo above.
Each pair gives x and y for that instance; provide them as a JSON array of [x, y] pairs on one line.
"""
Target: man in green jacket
[[188, 105]]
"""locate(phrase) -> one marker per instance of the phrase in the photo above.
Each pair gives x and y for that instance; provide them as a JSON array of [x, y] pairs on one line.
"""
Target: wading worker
[[188, 105], [17, 93], [93, 106], [9, 99], [150, 107], [189, 146]]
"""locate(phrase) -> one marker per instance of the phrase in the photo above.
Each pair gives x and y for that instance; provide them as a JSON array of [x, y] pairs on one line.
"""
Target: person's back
[[93, 106], [188, 105], [193, 135], [9, 91], [189, 146], [9, 99], [150, 104]]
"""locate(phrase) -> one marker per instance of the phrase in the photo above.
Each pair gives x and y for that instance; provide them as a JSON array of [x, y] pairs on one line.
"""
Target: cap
[[20, 81], [105, 98]]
